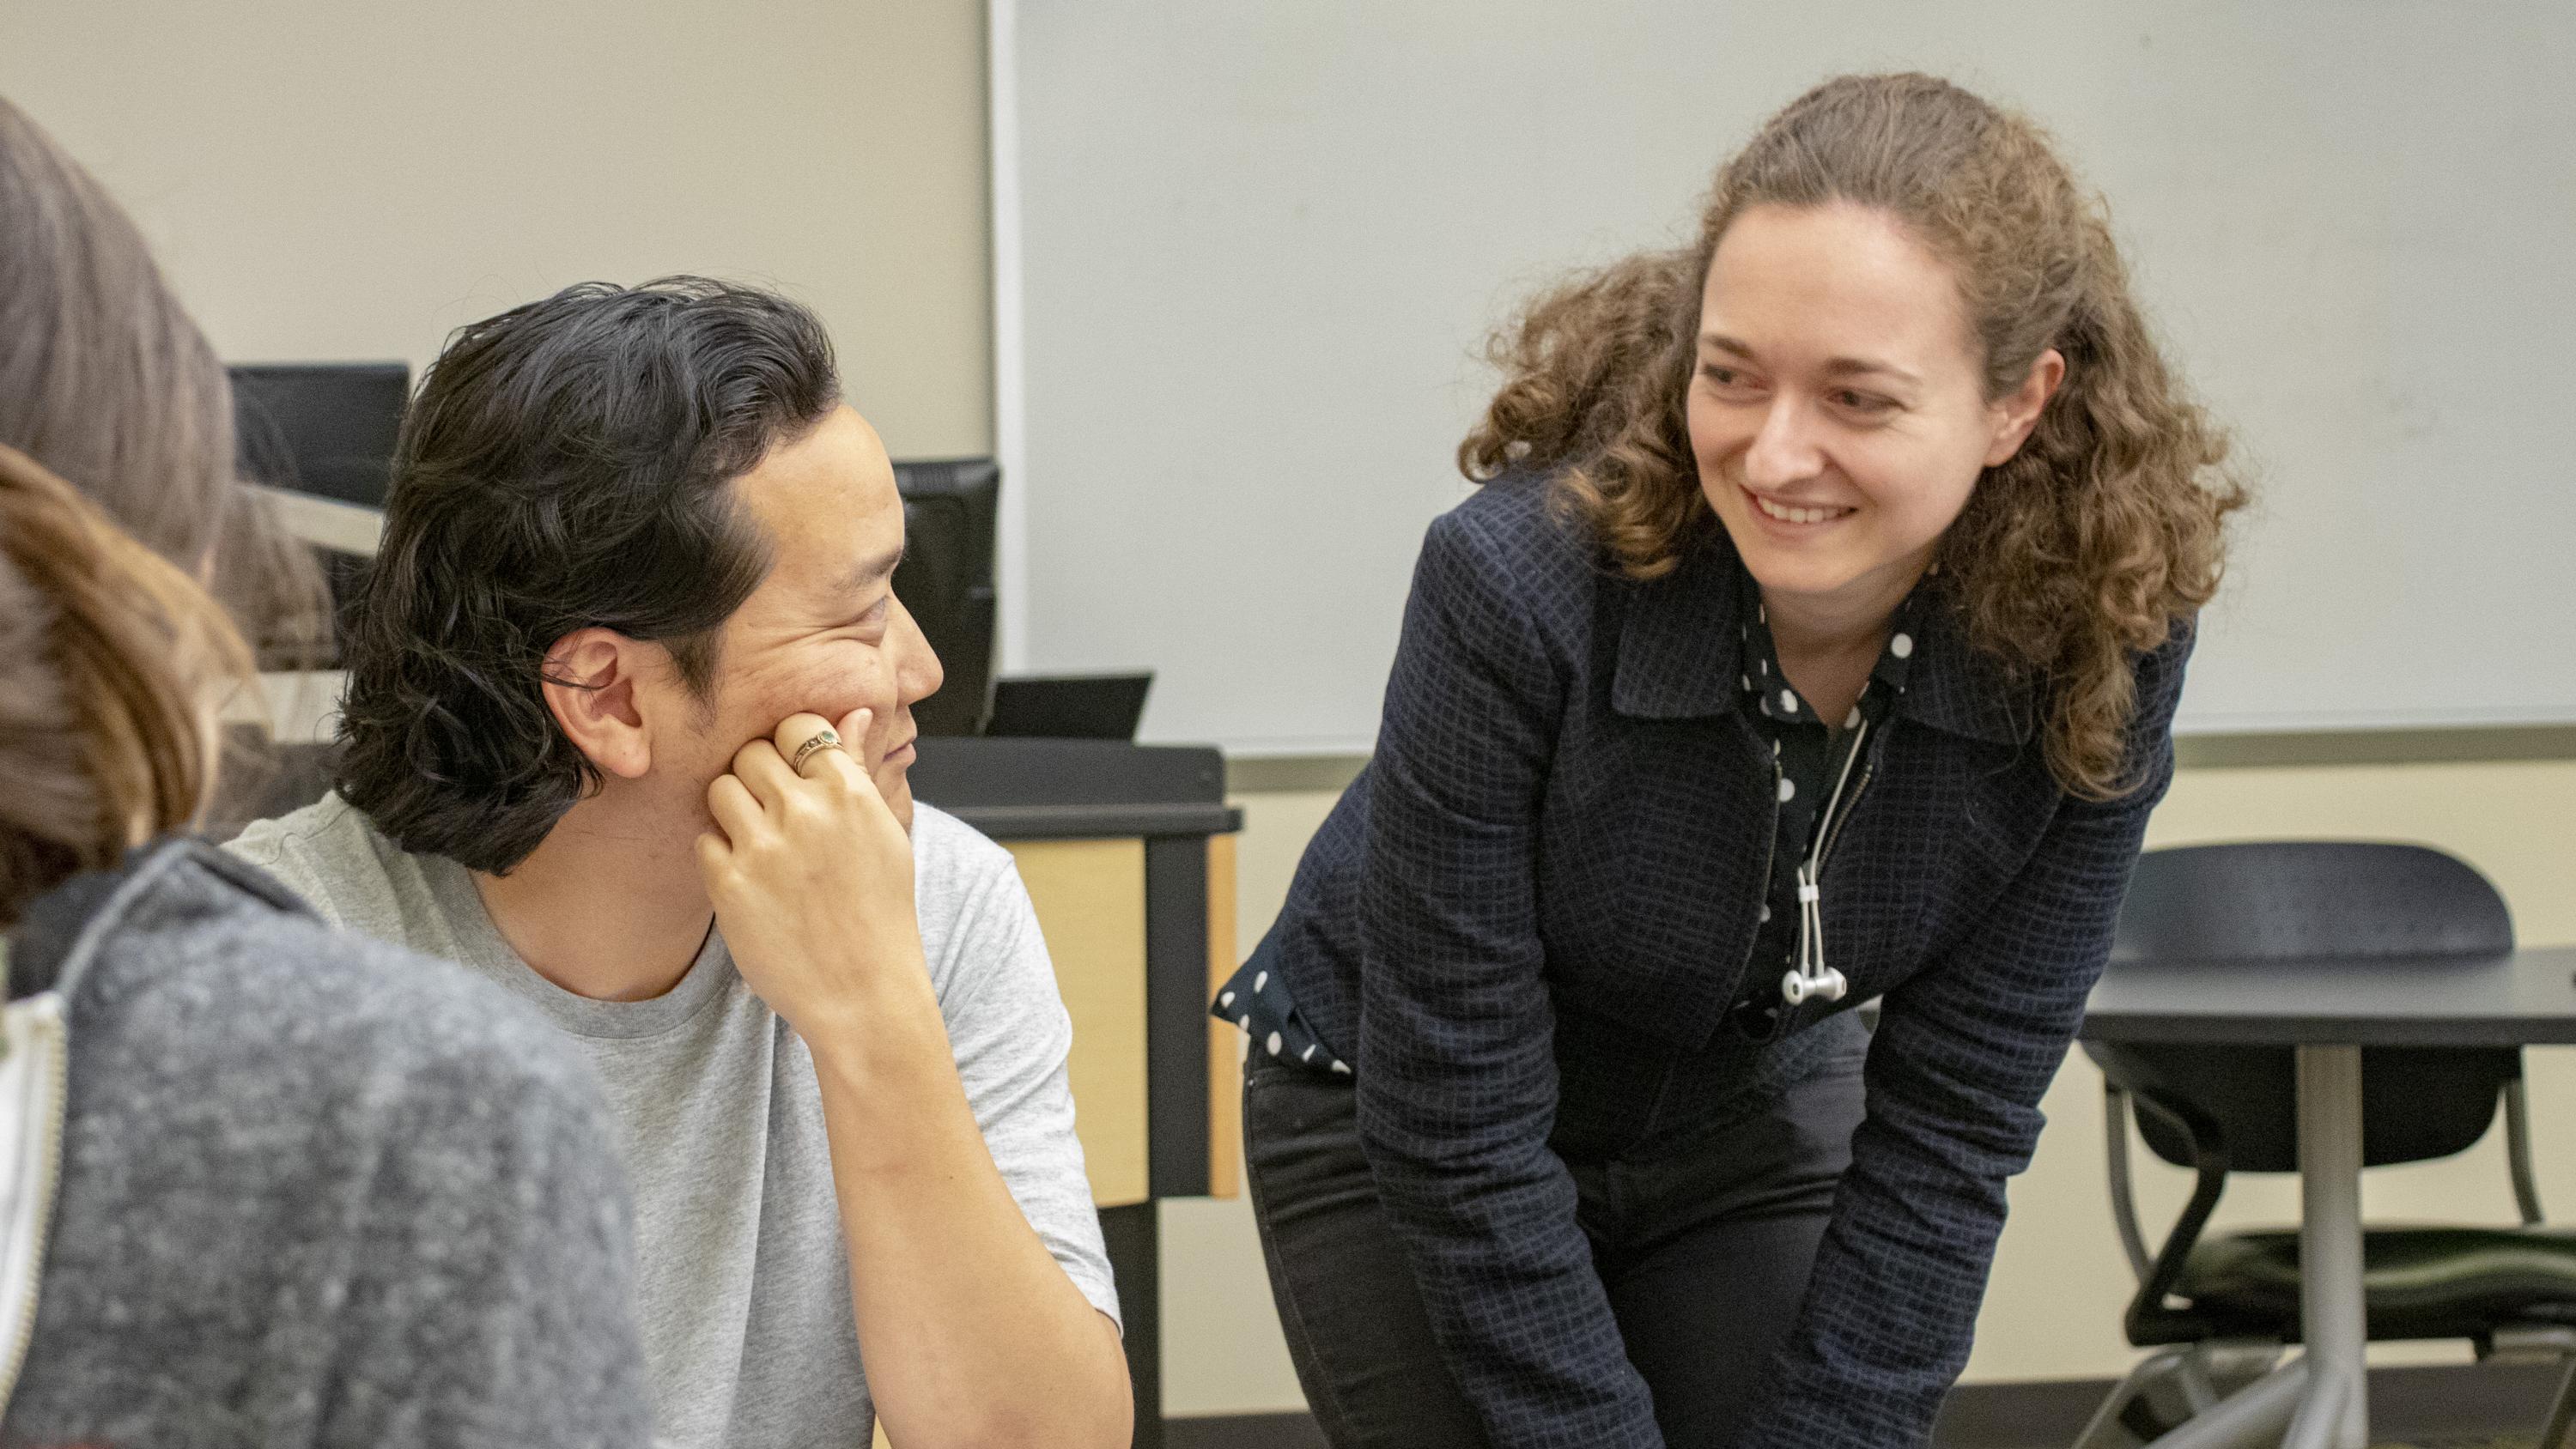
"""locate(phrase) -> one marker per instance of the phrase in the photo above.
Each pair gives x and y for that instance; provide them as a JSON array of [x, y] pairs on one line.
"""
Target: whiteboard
[[1247, 255]]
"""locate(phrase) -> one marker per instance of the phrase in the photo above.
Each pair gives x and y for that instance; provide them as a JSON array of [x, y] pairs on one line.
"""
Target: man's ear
[[590, 685], [2018, 412]]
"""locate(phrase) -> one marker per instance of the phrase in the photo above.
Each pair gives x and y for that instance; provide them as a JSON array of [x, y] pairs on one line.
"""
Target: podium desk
[[1128, 854]]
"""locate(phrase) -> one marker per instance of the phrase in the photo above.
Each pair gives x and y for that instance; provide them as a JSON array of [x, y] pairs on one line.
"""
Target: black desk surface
[[1032, 789], [2528, 997], [1011, 789]]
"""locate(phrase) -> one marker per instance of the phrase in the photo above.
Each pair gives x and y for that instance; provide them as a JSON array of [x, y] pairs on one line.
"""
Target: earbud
[[1811, 979], [1827, 985]]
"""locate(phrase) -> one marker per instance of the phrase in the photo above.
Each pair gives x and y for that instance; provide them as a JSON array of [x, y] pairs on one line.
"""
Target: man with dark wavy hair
[[628, 719]]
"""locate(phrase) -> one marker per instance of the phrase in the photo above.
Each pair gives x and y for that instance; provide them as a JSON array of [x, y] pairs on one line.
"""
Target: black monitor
[[946, 580], [323, 428], [328, 430]]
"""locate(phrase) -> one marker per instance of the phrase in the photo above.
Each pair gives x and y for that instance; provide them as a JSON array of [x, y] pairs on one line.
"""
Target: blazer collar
[[1679, 650], [1956, 688], [1680, 654]]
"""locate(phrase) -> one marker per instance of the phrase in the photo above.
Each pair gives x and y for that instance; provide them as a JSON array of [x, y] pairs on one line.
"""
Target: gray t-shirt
[[742, 1279]]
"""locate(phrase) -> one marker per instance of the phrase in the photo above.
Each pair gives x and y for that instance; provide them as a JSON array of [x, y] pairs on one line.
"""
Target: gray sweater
[[314, 1190]]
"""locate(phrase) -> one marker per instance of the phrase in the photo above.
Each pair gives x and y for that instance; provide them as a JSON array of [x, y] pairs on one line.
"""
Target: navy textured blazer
[[1568, 821]]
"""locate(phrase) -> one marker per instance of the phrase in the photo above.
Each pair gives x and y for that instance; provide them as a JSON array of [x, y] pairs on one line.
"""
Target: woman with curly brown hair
[[1815, 638]]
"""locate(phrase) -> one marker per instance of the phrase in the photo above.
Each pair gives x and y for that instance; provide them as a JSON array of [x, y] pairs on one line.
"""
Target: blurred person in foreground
[[260, 1183]]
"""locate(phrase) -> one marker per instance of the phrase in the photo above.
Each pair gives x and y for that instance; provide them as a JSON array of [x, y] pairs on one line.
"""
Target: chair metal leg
[[2330, 1261], [2323, 1413], [2199, 1392], [2105, 1431], [2185, 1381], [2124, 1200], [2219, 1367], [2517, 1152], [2251, 1418], [2561, 1433]]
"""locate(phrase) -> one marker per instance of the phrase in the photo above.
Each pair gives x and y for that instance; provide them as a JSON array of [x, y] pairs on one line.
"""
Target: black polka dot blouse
[[1811, 757]]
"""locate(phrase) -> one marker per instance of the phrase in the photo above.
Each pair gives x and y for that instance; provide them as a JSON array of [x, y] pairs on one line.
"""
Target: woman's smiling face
[[1838, 411]]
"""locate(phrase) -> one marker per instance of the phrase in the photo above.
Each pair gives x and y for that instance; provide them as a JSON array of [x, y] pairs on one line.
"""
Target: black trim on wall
[[2448, 1401], [2469, 744], [1244, 1431], [2440, 1401]]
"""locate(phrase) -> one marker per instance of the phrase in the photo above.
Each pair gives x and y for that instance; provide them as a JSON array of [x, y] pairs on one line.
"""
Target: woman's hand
[[811, 876]]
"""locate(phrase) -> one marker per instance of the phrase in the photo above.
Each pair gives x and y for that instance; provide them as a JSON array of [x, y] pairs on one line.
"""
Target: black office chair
[[2220, 1306]]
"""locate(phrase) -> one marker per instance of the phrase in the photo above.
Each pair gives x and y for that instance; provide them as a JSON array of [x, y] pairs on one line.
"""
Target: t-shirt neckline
[[481, 942]]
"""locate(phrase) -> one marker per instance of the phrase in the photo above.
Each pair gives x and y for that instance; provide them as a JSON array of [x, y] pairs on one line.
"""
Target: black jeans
[[1704, 1253]]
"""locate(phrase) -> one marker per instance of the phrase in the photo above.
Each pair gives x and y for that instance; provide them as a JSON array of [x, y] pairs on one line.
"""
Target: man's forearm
[[971, 1332]]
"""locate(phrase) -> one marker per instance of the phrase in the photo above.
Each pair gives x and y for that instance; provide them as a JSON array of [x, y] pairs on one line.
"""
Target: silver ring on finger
[[827, 740]]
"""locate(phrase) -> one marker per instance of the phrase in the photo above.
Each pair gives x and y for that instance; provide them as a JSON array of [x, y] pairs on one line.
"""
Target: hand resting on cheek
[[812, 876]]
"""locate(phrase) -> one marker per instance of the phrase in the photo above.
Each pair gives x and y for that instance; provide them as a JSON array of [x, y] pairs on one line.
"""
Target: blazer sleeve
[[1456, 1076], [1963, 1052]]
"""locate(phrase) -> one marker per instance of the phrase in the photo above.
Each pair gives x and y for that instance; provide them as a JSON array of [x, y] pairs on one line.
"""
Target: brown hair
[[106, 381], [110, 662], [565, 464], [2087, 547]]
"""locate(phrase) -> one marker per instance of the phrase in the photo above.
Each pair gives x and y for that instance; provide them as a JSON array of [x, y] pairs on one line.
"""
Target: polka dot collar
[[1768, 690], [1807, 754]]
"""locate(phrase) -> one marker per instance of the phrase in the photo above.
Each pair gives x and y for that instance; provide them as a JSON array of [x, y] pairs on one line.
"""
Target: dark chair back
[[2288, 901]]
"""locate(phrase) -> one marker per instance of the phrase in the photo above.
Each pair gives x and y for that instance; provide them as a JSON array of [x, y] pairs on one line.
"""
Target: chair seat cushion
[[2436, 1273]]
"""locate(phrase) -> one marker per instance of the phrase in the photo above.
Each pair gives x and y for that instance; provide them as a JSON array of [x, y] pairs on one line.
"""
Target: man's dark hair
[[565, 464]]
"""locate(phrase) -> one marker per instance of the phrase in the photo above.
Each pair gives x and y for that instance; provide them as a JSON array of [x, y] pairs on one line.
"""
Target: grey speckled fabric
[[316, 1190]]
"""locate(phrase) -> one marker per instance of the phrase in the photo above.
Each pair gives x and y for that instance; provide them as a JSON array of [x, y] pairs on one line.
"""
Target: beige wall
[[350, 181], [2054, 1305]]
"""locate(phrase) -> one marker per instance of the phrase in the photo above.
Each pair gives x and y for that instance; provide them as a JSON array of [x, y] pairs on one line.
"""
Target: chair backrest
[[2283, 900], [2288, 900]]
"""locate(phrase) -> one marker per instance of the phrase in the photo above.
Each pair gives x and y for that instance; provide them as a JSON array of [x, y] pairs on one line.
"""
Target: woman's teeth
[[1787, 514]]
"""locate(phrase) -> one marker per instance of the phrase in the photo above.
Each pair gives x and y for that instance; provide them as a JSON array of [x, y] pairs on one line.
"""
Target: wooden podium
[[1128, 854]]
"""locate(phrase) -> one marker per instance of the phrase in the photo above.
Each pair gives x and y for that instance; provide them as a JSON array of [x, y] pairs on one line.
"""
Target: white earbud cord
[[1812, 977]]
